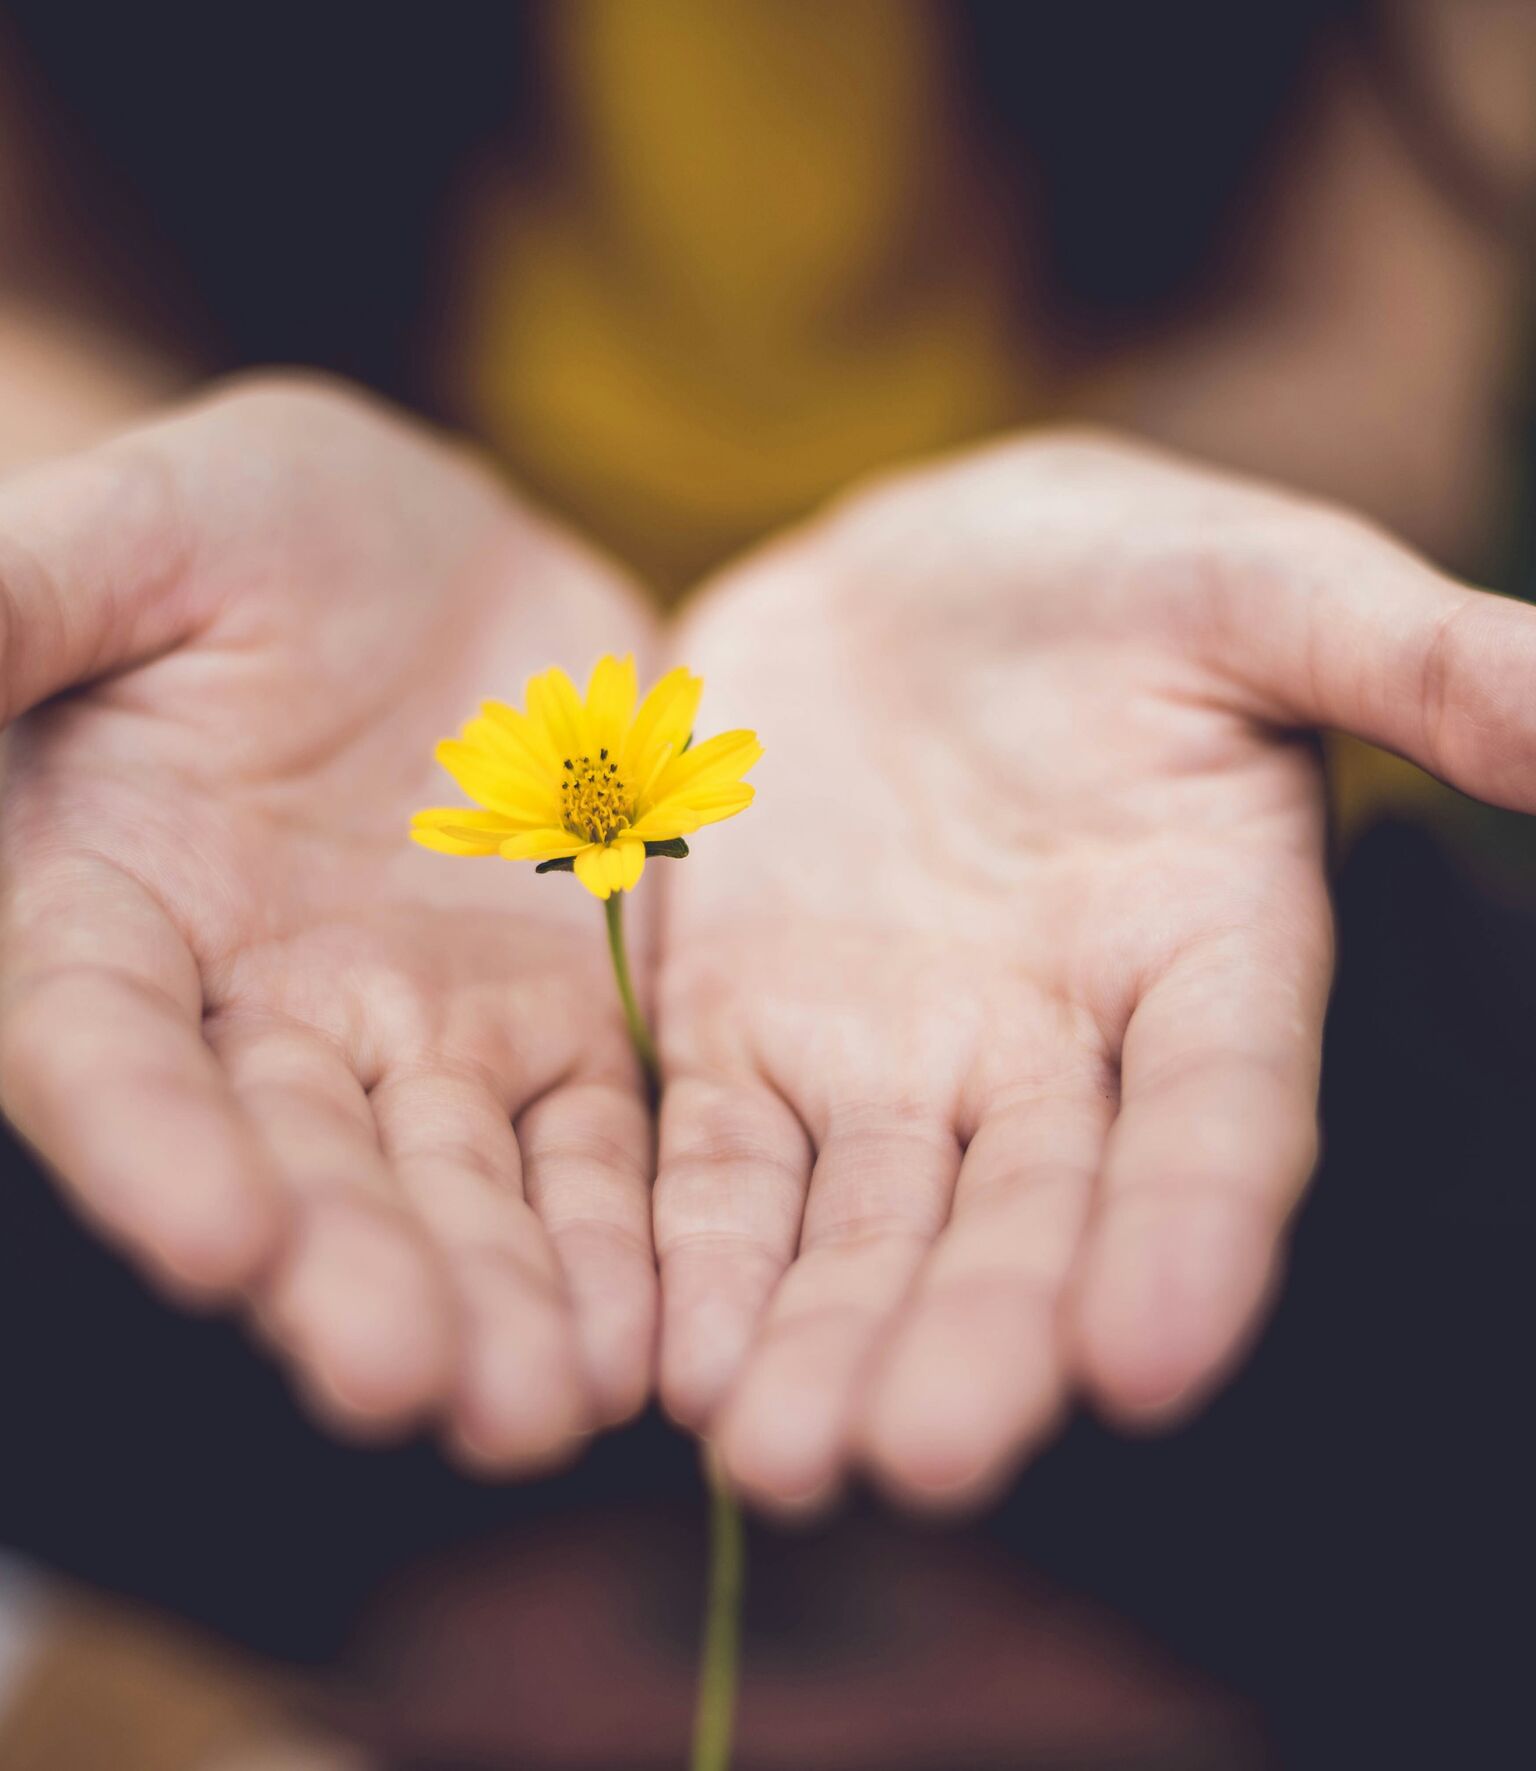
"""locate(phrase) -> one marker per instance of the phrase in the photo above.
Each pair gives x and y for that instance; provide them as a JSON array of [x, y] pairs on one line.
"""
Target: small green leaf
[[566, 864], [687, 744]]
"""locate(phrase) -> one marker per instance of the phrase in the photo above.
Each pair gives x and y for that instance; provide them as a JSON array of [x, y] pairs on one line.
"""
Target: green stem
[[720, 1655], [639, 1033]]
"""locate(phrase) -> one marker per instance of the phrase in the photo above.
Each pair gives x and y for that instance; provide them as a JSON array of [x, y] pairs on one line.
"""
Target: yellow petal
[[515, 793], [645, 786], [662, 823], [629, 854], [443, 842], [552, 843], [455, 830], [684, 815], [721, 802], [614, 868], [664, 721], [528, 743], [610, 701], [464, 815], [717, 762], [592, 871], [507, 748], [554, 705]]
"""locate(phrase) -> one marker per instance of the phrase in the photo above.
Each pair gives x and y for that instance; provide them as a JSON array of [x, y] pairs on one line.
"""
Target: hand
[[271, 1048], [992, 1032]]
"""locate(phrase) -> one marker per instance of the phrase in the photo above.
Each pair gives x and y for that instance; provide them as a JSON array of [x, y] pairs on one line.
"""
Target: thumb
[[1356, 632], [94, 573]]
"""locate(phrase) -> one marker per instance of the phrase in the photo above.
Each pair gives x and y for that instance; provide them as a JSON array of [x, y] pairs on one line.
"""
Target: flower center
[[594, 799]]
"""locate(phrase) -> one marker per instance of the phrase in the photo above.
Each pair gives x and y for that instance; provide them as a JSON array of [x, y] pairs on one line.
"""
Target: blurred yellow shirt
[[756, 261]]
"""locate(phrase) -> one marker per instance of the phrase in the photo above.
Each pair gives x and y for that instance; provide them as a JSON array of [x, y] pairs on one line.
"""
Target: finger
[[104, 1071], [587, 1168], [1214, 1143], [359, 1303], [731, 1182], [974, 1375], [879, 1194], [93, 571], [1340, 626], [520, 1398]]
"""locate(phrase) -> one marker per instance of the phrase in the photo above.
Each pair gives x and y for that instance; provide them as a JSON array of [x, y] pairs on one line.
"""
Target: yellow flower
[[589, 783]]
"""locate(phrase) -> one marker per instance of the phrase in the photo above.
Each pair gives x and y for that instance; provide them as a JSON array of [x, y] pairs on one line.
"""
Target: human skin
[[276, 1053], [992, 1033]]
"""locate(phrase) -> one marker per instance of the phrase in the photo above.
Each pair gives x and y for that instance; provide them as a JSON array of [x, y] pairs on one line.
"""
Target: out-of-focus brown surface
[[572, 1648], [867, 1647], [107, 1689]]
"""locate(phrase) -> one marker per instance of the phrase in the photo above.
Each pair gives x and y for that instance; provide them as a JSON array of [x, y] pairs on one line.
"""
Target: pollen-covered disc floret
[[592, 782], [595, 798]]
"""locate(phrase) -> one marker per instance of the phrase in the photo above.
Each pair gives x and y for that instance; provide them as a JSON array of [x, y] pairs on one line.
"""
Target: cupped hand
[[271, 1048], [992, 1032]]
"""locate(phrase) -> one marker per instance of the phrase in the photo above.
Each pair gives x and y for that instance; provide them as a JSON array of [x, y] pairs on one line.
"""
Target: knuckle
[[578, 1134], [718, 1127], [1443, 675], [871, 1232]]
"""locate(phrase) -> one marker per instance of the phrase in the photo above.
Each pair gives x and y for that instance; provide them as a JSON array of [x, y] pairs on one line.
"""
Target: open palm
[[993, 1033], [273, 1049]]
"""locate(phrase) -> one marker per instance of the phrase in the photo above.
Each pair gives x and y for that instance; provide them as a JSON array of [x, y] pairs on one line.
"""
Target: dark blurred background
[[795, 241]]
